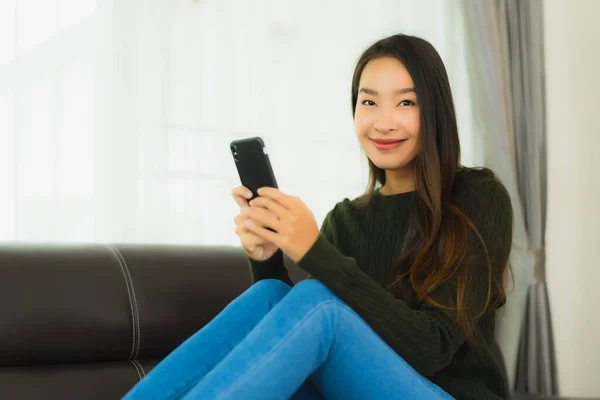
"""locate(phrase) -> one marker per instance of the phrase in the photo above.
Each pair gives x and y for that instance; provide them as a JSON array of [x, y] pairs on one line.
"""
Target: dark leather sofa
[[89, 321]]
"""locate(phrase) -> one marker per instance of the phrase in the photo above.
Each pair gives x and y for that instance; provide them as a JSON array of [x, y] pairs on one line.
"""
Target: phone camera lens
[[234, 151]]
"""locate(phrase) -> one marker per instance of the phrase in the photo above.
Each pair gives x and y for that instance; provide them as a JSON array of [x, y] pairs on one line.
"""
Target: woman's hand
[[294, 225], [255, 246]]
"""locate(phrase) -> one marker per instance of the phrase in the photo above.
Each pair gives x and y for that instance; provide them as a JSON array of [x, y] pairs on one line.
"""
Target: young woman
[[404, 280]]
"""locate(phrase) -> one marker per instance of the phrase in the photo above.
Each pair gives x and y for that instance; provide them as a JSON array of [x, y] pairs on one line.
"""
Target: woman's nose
[[385, 122]]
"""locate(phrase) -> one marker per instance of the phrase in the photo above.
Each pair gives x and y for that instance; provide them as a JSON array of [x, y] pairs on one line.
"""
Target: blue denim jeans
[[276, 342]]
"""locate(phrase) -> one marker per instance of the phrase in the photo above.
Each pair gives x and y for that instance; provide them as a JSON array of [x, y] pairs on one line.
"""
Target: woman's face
[[387, 119]]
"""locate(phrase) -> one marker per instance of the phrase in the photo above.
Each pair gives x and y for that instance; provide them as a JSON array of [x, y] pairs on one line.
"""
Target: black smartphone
[[252, 163]]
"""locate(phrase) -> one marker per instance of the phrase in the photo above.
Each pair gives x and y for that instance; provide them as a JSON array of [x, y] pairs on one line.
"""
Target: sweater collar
[[400, 200]]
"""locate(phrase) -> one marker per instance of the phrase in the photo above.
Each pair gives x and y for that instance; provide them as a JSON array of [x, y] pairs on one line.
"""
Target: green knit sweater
[[355, 257]]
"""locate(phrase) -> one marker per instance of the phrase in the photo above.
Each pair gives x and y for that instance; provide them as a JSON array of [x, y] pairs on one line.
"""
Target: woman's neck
[[400, 181]]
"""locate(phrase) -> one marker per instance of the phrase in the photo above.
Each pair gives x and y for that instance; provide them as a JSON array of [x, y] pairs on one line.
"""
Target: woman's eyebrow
[[372, 92]]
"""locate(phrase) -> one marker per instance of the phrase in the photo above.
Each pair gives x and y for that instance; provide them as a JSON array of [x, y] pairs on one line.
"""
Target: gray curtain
[[506, 61]]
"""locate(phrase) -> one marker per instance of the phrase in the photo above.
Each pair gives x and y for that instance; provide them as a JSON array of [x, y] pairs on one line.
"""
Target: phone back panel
[[252, 163]]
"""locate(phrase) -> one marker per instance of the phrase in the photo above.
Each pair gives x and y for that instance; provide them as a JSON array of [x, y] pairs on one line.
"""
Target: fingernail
[[249, 195], [245, 210], [248, 223]]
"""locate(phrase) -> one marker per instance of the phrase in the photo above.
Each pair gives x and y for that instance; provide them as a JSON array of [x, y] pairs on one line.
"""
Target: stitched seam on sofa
[[136, 369], [111, 247], [135, 304], [141, 367]]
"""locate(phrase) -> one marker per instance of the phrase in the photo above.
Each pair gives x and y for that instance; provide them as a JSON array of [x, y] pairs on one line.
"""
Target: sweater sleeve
[[272, 268], [426, 337]]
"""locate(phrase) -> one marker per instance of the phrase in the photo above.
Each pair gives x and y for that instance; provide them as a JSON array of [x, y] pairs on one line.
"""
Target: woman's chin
[[390, 165], [390, 161]]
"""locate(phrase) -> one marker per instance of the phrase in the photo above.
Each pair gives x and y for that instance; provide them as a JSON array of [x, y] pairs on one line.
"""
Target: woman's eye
[[368, 103], [406, 103]]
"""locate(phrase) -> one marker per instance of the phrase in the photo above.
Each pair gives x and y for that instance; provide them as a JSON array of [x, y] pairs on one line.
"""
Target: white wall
[[572, 45]]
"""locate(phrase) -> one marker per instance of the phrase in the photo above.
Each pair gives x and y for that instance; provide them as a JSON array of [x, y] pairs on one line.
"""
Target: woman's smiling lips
[[387, 144]]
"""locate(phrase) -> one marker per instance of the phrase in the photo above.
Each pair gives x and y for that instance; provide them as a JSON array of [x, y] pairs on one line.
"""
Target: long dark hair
[[436, 246]]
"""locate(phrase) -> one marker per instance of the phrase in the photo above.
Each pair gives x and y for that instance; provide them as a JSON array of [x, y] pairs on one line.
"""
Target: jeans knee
[[314, 290], [270, 289]]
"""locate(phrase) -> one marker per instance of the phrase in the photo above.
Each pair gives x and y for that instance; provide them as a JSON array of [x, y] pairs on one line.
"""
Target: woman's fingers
[[263, 217], [249, 240], [269, 204], [241, 195], [239, 219], [256, 246], [257, 216], [260, 216], [266, 234], [278, 196]]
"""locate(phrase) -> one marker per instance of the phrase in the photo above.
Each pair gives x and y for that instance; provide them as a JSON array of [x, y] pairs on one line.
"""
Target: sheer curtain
[[115, 116]]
